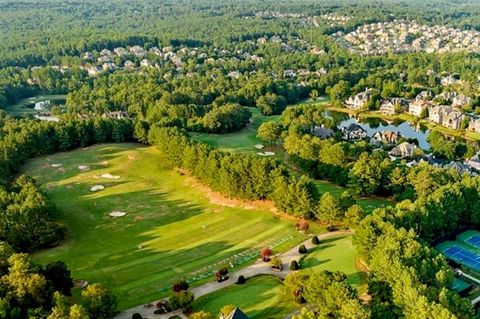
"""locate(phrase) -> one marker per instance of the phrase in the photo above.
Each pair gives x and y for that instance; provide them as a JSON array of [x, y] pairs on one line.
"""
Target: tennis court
[[463, 256], [471, 238]]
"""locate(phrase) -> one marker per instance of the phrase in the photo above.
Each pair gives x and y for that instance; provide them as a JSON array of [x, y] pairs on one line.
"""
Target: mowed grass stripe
[[179, 229]]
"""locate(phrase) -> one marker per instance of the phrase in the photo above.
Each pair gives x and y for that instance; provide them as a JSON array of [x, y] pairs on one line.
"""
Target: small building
[[386, 137], [322, 132], [403, 150], [353, 132]]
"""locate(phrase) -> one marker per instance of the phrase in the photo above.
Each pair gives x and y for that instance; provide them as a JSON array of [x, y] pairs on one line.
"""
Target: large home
[[458, 166], [417, 107], [353, 132], [358, 101], [322, 132], [391, 106], [425, 96], [116, 115], [403, 150], [386, 137], [474, 125], [448, 96], [473, 162], [43, 105], [461, 101], [453, 119], [435, 113]]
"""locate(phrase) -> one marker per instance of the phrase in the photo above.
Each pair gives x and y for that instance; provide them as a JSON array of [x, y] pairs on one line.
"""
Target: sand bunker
[[117, 214], [83, 167], [97, 188], [258, 146], [80, 283], [56, 165], [266, 154], [110, 176]]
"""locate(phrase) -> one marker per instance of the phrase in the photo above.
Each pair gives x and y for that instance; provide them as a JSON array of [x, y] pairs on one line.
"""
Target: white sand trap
[[258, 146], [117, 214], [110, 176], [97, 188], [260, 154], [56, 165], [83, 167], [269, 153]]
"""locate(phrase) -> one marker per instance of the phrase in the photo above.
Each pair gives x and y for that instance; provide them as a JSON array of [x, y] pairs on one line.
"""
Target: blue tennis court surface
[[464, 257], [474, 241]]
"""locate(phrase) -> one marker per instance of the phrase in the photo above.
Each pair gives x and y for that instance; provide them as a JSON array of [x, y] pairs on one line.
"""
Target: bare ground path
[[258, 268]]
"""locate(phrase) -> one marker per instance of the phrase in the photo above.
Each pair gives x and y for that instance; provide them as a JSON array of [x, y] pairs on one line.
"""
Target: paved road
[[258, 268]]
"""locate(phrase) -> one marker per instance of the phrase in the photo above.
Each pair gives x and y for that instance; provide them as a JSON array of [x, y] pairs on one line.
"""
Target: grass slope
[[334, 254], [267, 298], [179, 229]]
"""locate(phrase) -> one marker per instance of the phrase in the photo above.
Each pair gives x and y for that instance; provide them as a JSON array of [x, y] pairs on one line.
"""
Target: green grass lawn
[[335, 254], [171, 230], [263, 297], [22, 107]]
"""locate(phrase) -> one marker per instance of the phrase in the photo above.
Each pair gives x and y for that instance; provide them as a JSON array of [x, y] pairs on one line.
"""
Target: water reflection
[[373, 125]]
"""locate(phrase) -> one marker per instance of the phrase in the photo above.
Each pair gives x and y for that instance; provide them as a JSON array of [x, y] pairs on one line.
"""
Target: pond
[[373, 125]]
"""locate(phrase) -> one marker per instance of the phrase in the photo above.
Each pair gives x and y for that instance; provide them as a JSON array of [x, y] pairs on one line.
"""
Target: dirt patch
[[131, 157], [105, 163], [46, 165], [139, 218]]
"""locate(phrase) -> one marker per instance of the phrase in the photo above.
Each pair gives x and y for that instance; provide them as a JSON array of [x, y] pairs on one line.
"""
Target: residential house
[[458, 166], [116, 115], [109, 66], [453, 119], [425, 96], [137, 50], [436, 113], [474, 125], [129, 65], [322, 132], [403, 150], [461, 101], [353, 132], [93, 70], [417, 107], [358, 100], [391, 106], [448, 80], [473, 162], [386, 137], [120, 51], [447, 96], [146, 63]]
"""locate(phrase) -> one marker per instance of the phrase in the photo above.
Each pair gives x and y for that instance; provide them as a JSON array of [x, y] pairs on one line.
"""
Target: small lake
[[373, 125]]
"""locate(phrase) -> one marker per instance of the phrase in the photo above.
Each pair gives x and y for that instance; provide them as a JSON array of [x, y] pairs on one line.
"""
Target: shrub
[[315, 240], [137, 316], [276, 263], [181, 300], [331, 228], [265, 253], [302, 249], [241, 280], [201, 315], [180, 285], [294, 265]]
